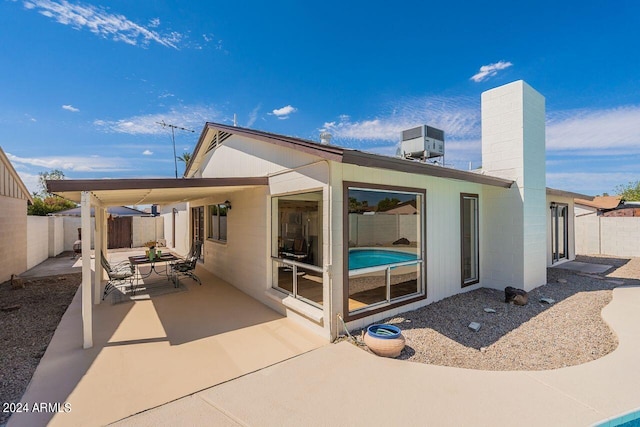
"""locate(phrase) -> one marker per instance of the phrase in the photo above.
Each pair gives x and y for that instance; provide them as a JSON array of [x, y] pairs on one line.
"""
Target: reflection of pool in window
[[385, 232], [362, 258]]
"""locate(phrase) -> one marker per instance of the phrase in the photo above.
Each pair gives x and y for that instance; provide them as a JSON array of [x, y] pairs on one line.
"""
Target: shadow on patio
[[150, 352]]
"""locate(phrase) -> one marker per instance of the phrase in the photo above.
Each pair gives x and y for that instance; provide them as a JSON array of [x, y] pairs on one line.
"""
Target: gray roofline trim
[[360, 158], [63, 185], [569, 194]]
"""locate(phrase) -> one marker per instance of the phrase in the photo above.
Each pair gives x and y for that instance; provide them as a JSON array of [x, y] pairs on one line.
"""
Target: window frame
[[476, 279], [210, 223], [382, 307]]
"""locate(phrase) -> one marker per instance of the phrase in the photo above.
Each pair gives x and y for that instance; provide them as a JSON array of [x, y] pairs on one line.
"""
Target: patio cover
[[102, 193]]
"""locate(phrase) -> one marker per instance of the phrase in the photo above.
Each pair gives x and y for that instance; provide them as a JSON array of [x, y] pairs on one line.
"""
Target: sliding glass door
[[559, 232]]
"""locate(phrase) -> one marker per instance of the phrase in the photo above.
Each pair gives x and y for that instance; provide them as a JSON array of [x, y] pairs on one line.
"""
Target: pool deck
[[342, 385]]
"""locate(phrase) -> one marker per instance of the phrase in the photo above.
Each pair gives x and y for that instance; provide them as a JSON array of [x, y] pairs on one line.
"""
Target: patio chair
[[188, 265], [119, 274]]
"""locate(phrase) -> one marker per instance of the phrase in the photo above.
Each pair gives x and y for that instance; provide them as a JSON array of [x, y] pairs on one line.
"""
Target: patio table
[[168, 259]]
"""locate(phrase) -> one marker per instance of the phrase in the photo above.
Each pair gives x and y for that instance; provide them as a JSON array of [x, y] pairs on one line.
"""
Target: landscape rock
[[515, 296], [475, 326]]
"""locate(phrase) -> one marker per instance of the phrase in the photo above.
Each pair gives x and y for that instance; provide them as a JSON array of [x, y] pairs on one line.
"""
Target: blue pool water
[[362, 258], [630, 419]]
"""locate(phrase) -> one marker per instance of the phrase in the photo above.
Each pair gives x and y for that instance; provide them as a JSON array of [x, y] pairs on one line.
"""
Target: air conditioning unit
[[422, 142]]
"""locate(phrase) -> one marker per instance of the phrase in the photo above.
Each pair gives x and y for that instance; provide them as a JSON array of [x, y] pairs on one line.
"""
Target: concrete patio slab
[[343, 385], [61, 264], [148, 353], [584, 267]]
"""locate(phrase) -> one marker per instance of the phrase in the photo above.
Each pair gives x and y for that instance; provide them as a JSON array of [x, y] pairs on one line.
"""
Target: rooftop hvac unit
[[422, 142]]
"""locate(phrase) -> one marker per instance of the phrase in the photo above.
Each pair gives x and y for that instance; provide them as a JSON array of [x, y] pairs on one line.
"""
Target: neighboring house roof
[[111, 210], [570, 194], [10, 184], [600, 202], [214, 134]]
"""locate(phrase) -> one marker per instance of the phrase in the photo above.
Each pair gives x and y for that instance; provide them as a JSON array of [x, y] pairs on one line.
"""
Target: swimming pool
[[629, 419], [363, 258]]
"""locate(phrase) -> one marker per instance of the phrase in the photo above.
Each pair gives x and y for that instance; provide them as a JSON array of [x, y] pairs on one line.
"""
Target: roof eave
[[360, 158]]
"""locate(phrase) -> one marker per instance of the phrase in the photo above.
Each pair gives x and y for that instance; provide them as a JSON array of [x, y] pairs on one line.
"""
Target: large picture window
[[385, 256], [469, 239], [296, 248], [218, 222]]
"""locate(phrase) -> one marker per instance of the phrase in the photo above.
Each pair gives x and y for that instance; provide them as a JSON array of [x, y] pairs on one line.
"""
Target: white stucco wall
[[442, 245], [37, 240], [240, 157]]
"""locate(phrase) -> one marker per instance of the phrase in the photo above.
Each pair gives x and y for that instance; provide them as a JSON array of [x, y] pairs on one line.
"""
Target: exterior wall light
[[227, 204]]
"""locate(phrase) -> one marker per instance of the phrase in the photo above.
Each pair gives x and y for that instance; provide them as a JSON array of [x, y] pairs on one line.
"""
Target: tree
[[629, 192], [387, 203], [54, 174], [44, 202], [186, 158], [43, 206]]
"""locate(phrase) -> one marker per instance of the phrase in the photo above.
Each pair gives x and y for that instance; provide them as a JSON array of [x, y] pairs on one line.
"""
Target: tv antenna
[[173, 139]]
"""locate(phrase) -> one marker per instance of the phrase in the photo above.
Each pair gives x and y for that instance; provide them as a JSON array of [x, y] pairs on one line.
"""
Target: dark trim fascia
[[345, 248], [569, 194], [329, 152], [462, 197], [62, 185], [360, 158]]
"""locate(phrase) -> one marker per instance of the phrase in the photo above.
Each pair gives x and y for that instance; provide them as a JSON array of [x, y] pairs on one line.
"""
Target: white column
[[87, 303], [97, 244]]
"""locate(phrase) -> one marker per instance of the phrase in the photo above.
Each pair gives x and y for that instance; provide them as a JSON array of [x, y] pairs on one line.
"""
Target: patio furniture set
[[127, 273]]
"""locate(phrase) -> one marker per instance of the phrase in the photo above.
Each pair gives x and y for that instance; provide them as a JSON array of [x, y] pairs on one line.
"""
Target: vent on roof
[[217, 140], [422, 143]]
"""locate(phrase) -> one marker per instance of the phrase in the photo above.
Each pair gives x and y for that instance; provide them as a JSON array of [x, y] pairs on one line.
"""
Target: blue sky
[[83, 83]]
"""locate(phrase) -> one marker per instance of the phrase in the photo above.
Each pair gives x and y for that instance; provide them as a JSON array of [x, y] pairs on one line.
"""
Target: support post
[[87, 303], [97, 244]]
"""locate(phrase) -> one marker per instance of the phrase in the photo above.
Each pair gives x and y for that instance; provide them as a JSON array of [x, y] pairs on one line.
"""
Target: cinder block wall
[[37, 240], [513, 147], [13, 237]]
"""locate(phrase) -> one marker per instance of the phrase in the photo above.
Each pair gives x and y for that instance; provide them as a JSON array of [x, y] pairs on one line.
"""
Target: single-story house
[[14, 198], [325, 234]]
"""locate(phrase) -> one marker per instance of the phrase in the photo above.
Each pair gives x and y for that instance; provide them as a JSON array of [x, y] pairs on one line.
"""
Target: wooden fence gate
[[120, 232]]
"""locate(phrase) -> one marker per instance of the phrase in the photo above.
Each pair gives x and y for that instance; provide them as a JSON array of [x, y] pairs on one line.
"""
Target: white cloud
[[284, 112], [70, 108], [103, 23], [490, 70], [612, 131], [74, 163], [147, 152], [253, 116], [191, 117]]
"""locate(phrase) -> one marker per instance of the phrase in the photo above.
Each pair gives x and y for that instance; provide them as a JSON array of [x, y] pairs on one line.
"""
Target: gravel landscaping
[[536, 336], [29, 316]]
